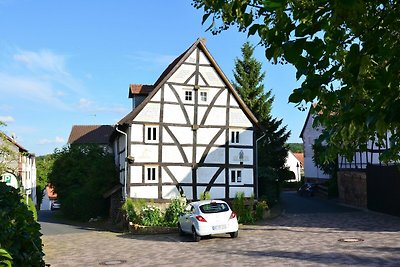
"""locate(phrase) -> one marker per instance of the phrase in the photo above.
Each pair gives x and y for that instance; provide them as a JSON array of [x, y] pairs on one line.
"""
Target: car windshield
[[214, 207]]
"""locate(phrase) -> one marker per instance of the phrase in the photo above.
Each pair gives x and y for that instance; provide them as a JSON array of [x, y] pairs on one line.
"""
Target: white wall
[[309, 136]]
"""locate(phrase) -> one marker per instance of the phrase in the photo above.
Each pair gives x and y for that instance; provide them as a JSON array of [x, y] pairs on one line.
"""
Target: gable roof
[[299, 156], [90, 134], [307, 118], [12, 141], [169, 71]]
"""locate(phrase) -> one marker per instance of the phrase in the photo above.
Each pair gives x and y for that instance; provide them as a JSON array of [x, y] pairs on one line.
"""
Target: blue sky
[[71, 62]]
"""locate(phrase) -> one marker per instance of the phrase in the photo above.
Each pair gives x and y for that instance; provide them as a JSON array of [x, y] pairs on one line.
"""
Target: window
[[203, 96], [236, 176], [151, 133], [151, 174], [188, 95], [235, 137]]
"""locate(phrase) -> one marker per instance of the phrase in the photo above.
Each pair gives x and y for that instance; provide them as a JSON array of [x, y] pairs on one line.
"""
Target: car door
[[186, 221]]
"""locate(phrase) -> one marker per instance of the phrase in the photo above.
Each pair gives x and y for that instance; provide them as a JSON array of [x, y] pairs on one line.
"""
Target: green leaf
[[253, 29], [296, 96], [205, 17]]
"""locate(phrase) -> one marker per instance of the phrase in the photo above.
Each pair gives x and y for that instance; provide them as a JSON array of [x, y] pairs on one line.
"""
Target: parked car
[[208, 217], [55, 205], [308, 189]]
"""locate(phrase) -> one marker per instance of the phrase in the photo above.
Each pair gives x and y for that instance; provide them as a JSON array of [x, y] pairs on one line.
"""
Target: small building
[[91, 134], [295, 162], [187, 134], [312, 173], [21, 168]]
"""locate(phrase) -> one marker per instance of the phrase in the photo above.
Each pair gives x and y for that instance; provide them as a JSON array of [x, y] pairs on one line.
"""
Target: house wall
[[294, 165], [193, 152], [311, 171]]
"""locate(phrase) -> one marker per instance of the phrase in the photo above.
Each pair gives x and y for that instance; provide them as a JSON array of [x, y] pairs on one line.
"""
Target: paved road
[[307, 234]]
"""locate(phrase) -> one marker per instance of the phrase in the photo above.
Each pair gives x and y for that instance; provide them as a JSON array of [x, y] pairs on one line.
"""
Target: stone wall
[[352, 187]]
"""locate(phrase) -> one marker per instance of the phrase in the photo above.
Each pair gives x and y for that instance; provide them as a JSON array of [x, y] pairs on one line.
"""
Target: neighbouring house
[[187, 134], [49, 196], [363, 181], [91, 134], [312, 173], [295, 163], [22, 169]]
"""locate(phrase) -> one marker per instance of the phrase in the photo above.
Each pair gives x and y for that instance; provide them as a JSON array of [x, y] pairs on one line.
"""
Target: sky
[[65, 63]]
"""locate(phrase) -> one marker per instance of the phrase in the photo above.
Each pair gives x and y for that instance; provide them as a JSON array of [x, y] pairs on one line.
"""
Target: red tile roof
[[50, 192], [299, 157], [90, 134], [140, 89]]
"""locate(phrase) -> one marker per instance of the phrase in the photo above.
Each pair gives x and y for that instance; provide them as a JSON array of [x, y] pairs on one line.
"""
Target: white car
[[208, 217]]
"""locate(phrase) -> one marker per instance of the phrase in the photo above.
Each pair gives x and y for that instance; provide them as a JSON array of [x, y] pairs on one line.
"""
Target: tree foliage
[[20, 233], [80, 175], [248, 82], [296, 147], [346, 56], [44, 165]]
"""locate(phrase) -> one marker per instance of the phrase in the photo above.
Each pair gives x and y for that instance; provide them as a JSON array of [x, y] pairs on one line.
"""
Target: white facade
[[294, 165], [23, 167], [190, 135], [309, 135]]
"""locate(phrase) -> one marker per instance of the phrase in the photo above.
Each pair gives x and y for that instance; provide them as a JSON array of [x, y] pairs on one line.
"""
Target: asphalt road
[[50, 225]]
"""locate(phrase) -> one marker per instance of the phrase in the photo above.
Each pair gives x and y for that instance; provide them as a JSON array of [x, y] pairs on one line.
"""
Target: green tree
[[80, 176], [44, 165], [272, 151], [346, 56], [296, 147]]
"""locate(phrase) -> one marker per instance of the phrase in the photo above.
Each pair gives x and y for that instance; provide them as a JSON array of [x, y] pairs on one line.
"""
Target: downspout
[[256, 193], [125, 161]]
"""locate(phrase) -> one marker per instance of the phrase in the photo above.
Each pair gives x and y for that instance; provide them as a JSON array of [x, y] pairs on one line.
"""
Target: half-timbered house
[[364, 180], [188, 133]]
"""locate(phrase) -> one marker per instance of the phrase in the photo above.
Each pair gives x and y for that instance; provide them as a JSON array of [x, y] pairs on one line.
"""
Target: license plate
[[219, 227]]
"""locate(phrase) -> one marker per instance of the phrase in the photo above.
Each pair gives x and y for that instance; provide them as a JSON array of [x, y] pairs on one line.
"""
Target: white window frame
[[235, 137], [188, 95], [236, 176], [151, 174], [153, 133], [203, 96]]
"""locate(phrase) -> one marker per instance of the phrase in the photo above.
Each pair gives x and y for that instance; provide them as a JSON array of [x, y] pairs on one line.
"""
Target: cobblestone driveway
[[293, 239]]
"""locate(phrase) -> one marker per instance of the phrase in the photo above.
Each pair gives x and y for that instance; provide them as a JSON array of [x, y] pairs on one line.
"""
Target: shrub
[[5, 258], [151, 216], [260, 209], [243, 211], [172, 212], [20, 233], [132, 209], [205, 196]]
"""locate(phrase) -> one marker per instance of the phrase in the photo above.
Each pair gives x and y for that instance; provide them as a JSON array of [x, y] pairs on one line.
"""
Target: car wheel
[[196, 237], [180, 229], [234, 234]]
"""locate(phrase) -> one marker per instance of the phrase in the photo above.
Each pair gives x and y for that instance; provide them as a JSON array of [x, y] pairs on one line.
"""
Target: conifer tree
[[272, 151]]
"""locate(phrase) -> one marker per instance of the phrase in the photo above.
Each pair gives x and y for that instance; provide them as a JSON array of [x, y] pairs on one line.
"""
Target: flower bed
[[141, 229]]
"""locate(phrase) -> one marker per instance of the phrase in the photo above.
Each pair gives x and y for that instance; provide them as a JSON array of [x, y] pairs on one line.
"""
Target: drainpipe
[[256, 193], [125, 161]]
